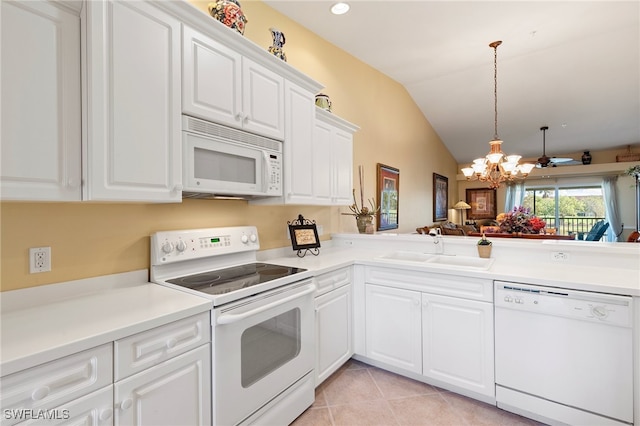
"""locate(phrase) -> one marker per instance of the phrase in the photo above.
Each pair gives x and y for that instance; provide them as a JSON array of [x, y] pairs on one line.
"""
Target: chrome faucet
[[437, 241]]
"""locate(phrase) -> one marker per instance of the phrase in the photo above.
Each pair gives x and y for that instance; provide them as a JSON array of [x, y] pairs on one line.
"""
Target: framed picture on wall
[[440, 197], [388, 195], [482, 202]]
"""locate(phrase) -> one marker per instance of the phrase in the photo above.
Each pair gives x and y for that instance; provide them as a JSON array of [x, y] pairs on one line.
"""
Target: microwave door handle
[[232, 318]]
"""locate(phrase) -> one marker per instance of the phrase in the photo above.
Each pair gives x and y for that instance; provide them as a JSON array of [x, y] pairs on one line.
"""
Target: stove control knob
[[167, 247], [253, 238], [245, 239], [181, 246]]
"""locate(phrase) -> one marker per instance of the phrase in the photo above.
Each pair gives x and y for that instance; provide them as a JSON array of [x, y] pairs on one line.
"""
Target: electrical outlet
[[560, 256], [39, 259]]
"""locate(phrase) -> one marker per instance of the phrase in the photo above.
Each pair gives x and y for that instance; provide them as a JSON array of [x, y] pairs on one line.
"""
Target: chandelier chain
[[495, 92]]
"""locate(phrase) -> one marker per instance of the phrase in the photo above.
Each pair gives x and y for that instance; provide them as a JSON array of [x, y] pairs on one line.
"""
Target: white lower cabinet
[[35, 393], [334, 322], [457, 342], [95, 409], [175, 392], [333, 332], [393, 327], [447, 340]]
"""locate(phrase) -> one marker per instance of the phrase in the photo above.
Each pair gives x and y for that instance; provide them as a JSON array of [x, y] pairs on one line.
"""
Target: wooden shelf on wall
[[578, 170]]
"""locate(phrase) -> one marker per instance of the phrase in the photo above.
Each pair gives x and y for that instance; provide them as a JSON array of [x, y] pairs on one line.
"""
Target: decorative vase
[[278, 41], [229, 13], [484, 251], [364, 223], [323, 101], [586, 158]]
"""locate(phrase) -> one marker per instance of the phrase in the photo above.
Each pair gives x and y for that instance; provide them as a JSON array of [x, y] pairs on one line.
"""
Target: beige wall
[[91, 239]]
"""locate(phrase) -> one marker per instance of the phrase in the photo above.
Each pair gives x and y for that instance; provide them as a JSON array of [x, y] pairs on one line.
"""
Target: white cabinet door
[[333, 331], [212, 79], [342, 168], [323, 165], [223, 86], [55, 383], [133, 103], [298, 145], [262, 100], [41, 102], [458, 342], [333, 160], [393, 327], [95, 409], [176, 392]]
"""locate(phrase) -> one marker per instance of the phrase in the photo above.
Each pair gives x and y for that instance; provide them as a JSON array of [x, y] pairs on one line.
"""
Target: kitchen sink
[[409, 256], [439, 260]]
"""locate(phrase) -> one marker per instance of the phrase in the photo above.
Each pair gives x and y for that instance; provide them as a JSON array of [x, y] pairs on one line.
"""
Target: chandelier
[[496, 167]]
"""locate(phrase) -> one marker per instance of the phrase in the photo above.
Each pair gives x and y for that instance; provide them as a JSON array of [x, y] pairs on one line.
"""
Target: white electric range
[[262, 321]]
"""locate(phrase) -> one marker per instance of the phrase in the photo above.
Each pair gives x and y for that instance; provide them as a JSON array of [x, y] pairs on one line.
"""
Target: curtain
[[612, 211], [514, 196]]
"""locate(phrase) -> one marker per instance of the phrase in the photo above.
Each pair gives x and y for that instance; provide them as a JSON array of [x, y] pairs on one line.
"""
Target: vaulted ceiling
[[571, 65]]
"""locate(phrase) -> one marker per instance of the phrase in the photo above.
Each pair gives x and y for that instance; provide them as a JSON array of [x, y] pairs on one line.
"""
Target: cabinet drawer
[[446, 285], [95, 409], [143, 350], [55, 383], [330, 280]]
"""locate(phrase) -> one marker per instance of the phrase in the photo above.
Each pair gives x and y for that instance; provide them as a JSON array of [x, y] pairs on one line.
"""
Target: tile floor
[[359, 394]]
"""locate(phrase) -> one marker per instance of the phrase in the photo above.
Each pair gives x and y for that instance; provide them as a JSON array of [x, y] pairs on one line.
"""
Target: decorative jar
[[229, 13]]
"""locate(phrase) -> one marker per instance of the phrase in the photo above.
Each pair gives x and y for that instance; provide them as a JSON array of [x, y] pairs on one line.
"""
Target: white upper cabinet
[[298, 146], [333, 159], [226, 87], [41, 102], [133, 149]]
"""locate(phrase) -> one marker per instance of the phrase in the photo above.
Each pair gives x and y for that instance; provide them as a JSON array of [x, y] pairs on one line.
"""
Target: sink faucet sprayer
[[437, 240]]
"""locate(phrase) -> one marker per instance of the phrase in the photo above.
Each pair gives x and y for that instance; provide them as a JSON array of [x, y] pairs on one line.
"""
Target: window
[[571, 210]]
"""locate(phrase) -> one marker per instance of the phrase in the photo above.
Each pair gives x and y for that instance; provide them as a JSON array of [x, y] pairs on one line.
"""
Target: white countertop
[[40, 324], [587, 272]]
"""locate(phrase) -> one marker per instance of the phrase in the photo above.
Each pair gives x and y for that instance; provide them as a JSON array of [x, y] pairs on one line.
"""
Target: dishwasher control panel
[[598, 307]]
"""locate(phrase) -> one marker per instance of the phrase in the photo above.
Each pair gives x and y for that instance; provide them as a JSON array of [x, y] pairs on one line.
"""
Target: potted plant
[[484, 247]]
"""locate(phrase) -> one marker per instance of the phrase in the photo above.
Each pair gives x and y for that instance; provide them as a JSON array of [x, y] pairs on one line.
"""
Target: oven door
[[218, 166], [261, 346]]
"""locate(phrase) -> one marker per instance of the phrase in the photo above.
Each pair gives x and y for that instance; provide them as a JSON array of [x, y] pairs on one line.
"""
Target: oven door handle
[[231, 318]]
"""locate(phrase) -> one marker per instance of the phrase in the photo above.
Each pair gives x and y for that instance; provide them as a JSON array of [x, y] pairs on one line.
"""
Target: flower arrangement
[[520, 220], [633, 171]]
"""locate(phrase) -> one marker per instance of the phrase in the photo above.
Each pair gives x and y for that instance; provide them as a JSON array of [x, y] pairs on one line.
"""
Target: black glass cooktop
[[226, 280]]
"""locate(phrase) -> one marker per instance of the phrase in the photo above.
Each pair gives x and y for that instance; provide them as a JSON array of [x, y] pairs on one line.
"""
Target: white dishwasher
[[564, 356]]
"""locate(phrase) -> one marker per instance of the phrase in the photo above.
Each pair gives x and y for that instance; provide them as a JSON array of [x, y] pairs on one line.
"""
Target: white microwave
[[221, 161]]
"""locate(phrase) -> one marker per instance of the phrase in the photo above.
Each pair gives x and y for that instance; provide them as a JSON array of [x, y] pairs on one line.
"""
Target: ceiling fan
[[544, 161]]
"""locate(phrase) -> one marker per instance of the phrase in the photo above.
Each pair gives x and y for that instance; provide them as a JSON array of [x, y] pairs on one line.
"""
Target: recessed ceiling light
[[340, 8]]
